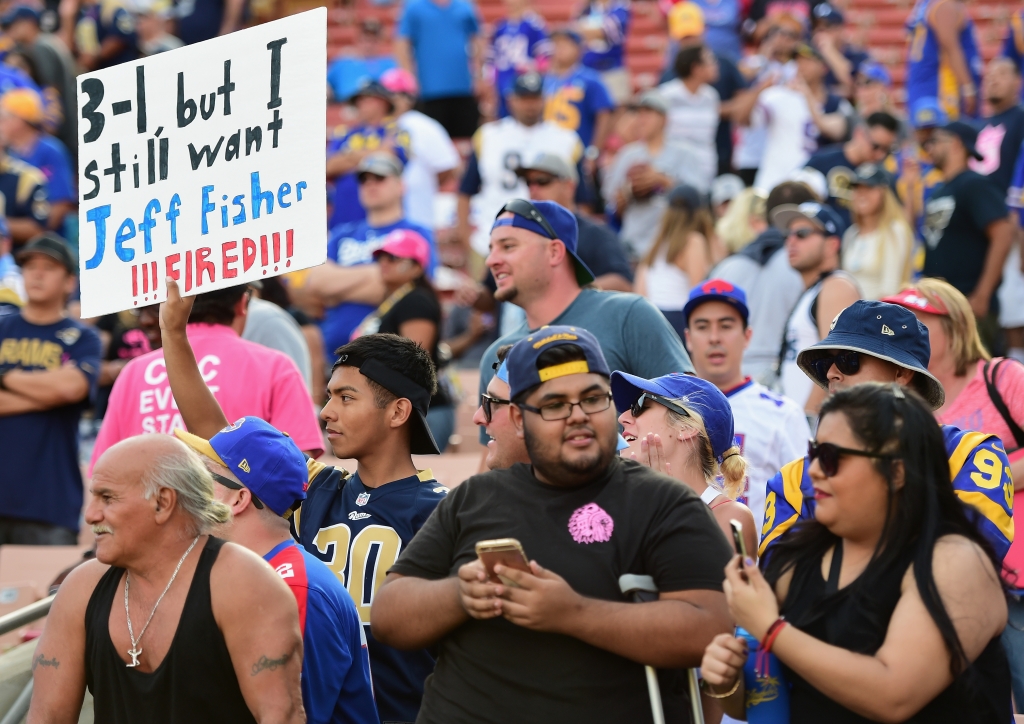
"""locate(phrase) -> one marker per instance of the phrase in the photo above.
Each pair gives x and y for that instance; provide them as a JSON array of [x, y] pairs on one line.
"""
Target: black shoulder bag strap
[[997, 400]]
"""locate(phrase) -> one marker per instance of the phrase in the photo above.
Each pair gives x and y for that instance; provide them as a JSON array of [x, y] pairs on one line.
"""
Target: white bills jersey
[[771, 430], [501, 147]]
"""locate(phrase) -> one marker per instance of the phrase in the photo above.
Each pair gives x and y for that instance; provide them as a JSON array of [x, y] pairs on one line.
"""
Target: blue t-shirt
[[606, 54], [929, 73], [199, 20], [573, 101], [40, 479], [336, 685], [1015, 196], [52, 158], [353, 244], [1013, 46], [24, 191], [358, 532], [515, 47], [346, 188], [11, 78], [440, 36], [722, 19], [347, 74]]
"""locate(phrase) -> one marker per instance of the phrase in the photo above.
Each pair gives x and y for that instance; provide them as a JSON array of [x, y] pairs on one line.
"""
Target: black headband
[[391, 380]]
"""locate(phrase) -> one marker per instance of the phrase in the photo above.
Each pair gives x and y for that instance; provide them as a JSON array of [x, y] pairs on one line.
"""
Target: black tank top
[[857, 620], [194, 683]]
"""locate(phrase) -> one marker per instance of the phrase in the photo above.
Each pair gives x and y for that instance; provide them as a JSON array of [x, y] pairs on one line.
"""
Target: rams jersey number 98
[[359, 532], [981, 479]]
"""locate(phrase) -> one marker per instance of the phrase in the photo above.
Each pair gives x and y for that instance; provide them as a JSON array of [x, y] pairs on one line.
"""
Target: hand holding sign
[[212, 179]]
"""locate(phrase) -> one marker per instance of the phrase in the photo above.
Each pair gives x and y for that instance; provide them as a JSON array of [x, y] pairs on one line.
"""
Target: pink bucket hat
[[399, 80], [406, 244]]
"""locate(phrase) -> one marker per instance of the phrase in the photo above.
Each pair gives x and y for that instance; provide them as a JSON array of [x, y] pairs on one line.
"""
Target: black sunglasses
[[847, 362], [522, 207], [366, 176], [828, 455], [541, 181], [229, 483], [637, 406], [804, 233], [486, 402]]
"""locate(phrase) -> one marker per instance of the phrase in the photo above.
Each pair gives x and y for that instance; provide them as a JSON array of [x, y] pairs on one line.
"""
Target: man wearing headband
[[356, 524], [882, 342], [562, 643], [262, 495], [535, 262]]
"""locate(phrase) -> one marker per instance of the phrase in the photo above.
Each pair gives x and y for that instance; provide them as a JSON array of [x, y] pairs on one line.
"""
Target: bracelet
[[772, 632], [762, 661], [713, 695]]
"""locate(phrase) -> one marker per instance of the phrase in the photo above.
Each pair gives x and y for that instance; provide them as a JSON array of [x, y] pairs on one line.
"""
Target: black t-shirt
[[420, 303], [999, 142], [956, 217], [629, 520]]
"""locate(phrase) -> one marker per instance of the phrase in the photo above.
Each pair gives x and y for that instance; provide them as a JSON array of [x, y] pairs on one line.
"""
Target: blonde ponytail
[[734, 472]]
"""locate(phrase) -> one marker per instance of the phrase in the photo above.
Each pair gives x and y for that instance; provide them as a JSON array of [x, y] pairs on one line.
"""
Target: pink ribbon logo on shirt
[[591, 524]]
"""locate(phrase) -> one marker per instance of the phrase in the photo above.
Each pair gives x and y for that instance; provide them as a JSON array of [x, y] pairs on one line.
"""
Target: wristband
[[707, 689], [762, 662]]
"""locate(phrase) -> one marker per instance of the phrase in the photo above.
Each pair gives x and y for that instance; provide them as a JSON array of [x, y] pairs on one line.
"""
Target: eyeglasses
[[229, 483], [524, 208], [803, 233], [637, 406], [828, 455], [847, 362], [366, 176], [487, 402], [891, 148], [563, 410], [541, 181]]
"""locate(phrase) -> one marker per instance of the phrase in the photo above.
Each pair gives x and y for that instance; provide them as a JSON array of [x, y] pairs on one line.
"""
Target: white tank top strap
[[709, 495]]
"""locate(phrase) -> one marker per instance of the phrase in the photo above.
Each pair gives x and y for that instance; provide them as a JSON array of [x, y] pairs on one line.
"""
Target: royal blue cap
[[927, 113], [531, 215], [886, 331], [875, 72], [696, 394], [717, 290], [264, 459], [822, 216], [523, 372], [19, 12]]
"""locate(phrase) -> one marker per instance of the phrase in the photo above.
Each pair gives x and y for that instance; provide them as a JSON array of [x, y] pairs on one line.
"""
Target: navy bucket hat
[[881, 330]]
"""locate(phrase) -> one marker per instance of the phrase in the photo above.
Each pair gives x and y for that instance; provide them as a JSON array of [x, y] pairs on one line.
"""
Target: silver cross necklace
[[135, 650]]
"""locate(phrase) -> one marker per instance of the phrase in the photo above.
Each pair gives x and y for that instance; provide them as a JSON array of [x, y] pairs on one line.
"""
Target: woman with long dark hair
[[891, 607]]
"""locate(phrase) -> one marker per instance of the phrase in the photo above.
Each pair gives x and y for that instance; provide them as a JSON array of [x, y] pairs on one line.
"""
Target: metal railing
[[11, 622]]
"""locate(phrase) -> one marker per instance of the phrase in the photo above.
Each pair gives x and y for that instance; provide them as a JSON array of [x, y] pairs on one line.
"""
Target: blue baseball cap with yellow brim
[[265, 460], [525, 372]]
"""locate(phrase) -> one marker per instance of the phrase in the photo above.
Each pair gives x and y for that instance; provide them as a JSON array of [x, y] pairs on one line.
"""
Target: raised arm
[[198, 407], [256, 613], [947, 21], [58, 663]]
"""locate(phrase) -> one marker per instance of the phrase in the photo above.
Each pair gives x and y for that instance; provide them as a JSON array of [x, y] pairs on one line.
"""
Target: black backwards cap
[[421, 442]]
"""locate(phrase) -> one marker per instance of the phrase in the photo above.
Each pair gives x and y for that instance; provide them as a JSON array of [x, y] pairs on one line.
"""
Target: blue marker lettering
[[98, 216], [208, 206], [172, 215], [126, 232], [147, 224]]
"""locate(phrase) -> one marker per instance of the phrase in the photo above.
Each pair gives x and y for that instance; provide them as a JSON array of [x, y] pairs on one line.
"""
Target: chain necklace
[[135, 651]]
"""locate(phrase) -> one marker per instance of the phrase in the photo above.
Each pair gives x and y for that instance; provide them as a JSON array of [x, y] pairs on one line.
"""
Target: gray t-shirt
[[641, 218], [273, 327], [635, 337], [772, 292]]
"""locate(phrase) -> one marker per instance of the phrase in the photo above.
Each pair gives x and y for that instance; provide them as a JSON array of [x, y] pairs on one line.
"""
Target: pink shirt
[[973, 408], [245, 377]]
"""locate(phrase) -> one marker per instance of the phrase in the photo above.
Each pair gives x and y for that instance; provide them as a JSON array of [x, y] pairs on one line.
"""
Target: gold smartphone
[[737, 538], [506, 551]]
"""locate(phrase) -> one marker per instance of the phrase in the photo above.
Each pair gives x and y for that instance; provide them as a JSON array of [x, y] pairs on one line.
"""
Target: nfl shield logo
[[362, 499]]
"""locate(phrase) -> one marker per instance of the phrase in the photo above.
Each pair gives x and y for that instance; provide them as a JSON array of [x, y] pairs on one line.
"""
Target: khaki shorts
[[619, 85]]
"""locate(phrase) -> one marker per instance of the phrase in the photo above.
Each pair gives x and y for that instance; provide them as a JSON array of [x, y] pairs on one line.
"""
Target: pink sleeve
[[291, 409], [1011, 387], [110, 430]]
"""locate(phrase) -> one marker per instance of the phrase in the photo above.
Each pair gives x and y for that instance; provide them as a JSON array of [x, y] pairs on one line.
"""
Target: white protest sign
[[205, 164]]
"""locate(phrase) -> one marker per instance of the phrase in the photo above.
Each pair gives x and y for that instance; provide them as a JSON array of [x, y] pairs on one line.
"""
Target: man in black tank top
[[169, 624]]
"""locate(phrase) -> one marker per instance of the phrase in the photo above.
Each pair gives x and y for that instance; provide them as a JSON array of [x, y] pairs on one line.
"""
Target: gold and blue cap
[[523, 361], [266, 461]]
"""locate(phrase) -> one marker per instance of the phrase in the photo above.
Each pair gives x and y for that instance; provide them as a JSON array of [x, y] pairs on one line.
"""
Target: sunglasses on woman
[[828, 455], [486, 402], [637, 407], [847, 362]]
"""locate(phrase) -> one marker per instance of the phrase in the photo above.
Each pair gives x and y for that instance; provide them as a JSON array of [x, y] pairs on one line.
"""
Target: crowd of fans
[[740, 248]]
